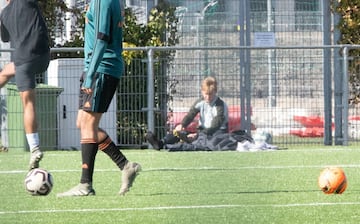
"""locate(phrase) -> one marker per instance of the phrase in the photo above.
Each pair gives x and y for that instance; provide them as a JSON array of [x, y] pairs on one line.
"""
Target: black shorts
[[25, 74], [104, 88]]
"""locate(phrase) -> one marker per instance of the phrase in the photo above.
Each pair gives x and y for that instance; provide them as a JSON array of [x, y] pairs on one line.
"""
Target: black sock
[[108, 146], [88, 154]]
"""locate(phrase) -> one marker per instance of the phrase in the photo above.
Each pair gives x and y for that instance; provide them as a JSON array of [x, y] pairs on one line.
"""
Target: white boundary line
[[177, 207]]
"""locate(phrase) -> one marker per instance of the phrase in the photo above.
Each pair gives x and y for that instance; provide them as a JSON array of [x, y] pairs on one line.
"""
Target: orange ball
[[332, 180]]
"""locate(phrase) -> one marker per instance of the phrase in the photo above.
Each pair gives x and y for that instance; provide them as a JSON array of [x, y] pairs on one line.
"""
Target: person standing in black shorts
[[103, 68], [23, 25]]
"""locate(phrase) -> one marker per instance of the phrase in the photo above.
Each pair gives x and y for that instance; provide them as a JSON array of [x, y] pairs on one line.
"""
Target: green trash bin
[[46, 112]]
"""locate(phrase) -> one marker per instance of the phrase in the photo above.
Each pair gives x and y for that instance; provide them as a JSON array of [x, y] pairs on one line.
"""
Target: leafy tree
[[54, 12], [160, 30], [349, 27]]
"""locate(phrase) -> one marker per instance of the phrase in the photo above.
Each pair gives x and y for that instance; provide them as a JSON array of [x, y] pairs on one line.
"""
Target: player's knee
[[78, 124]]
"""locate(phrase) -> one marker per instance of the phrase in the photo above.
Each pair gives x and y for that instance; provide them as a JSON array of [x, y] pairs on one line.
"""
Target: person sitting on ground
[[213, 119]]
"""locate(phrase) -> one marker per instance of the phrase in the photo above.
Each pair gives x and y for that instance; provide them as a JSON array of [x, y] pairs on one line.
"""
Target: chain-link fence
[[295, 22], [273, 59], [284, 96]]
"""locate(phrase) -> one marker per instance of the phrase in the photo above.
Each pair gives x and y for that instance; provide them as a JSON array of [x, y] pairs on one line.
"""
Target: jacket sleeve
[[102, 29], [189, 117], [5, 37]]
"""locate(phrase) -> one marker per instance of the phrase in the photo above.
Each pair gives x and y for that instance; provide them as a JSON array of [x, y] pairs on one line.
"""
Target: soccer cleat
[[4, 149], [152, 139], [84, 189], [36, 156], [129, 173]]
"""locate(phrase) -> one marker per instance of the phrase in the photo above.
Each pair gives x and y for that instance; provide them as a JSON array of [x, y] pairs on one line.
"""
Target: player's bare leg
[[28, 99], [88, 123], [7, 72]]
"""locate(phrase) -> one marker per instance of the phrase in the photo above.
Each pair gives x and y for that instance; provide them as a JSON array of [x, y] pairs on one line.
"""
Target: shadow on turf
[[230, 192], [191, 169]]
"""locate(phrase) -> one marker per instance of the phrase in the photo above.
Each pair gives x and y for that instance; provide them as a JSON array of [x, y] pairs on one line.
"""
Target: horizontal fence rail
[[286, 91]]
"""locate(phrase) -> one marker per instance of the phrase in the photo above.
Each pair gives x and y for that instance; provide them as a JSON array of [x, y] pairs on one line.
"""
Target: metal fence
[[291, 92]]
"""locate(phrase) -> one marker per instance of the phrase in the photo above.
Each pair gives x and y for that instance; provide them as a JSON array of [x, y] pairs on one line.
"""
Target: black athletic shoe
[[182, 135], [152, 139]]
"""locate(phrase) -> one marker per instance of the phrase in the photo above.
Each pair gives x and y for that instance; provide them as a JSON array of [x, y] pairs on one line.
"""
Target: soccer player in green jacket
[[102, 71]]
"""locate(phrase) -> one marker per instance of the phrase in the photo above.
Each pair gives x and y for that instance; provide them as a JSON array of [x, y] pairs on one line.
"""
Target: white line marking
[[176, 207], [118, 209]]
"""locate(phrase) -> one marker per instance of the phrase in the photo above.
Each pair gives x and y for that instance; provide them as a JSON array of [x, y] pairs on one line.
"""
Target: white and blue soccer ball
[[39, 182]]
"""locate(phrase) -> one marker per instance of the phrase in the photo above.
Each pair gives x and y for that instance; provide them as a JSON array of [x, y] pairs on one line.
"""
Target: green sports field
[[192, 187]]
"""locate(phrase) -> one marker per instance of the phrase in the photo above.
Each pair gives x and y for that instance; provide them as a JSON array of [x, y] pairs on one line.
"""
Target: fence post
[[327, 74], [345, 105], [338, 80], [247, 68], [150, 90], [245, 76]]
